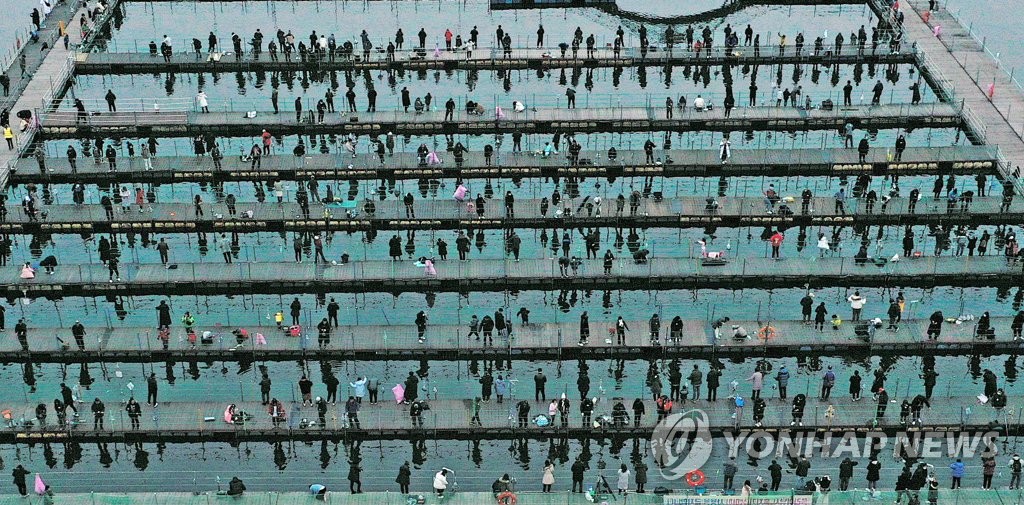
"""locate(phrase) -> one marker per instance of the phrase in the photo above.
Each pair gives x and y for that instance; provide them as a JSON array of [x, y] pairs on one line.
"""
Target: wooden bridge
[[451, 419], [500, 275], [959, 160], [105, 63], [538, 340], [681, 212], [65, 124]]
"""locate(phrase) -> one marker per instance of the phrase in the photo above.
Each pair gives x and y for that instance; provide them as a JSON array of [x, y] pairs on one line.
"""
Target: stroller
[[866, 331]]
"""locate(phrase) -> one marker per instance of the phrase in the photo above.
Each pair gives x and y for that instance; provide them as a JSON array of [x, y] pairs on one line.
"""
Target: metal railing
[[456, 414], [507, 269], [981, 41], [410, 52], [766, 97]]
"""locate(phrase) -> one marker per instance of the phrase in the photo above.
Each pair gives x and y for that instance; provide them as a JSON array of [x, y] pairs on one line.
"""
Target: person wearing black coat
[[578, 468], [485, 386], [919, 477], [862, 149], [586, 409], [883, 402], [759, 407], [412, 384], [874, 471], [712, 379], [918, 403], [903, 485], [638, 411], [395, 248], [355, 485], [799, 403], [19, 473], [845, 473], [640, 476], [935, 325], [404, 474], [991, 383], [1017, 326]]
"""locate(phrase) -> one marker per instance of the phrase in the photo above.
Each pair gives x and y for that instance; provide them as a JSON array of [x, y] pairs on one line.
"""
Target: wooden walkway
[[294, 495], [960, 160], [501, 275], [62, 124], [35, 55], [450, 419], [103, 63], [683, 212], [47, 73], [964, 70], [535, 341]]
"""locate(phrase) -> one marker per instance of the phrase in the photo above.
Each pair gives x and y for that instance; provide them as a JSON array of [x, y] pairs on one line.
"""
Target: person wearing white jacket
[[856, 304], [441, 482], [202, 101]]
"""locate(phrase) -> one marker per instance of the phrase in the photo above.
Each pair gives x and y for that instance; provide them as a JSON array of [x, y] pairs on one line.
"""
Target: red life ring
[[507, 498], [695, 478]]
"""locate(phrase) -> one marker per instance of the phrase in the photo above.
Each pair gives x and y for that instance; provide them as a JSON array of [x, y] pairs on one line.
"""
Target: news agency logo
[[681, 443]]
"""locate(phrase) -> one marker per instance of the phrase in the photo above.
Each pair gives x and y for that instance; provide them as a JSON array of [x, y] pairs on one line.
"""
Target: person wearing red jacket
[[776, 242], [664, 407]]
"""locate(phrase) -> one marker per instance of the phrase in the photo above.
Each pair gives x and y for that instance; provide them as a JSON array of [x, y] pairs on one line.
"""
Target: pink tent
[[399, 391]]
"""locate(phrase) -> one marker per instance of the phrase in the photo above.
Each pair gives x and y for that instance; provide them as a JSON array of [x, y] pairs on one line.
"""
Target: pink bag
[[260, 339], [40, 485], [399, 391]]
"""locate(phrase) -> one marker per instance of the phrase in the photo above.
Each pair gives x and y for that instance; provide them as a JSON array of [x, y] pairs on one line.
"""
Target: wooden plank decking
[[682, 212], [450, 419], [105, 63], [963, 68], [537, 340], [206, 494], [501, 275], [960, 160], [63, 124]]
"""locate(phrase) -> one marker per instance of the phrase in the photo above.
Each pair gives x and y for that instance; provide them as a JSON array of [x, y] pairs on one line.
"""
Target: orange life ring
[[507, 498], [695, 478], [766, 333]]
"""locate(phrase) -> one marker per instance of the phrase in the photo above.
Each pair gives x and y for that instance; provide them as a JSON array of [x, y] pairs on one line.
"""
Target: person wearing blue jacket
[[957, 472]]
